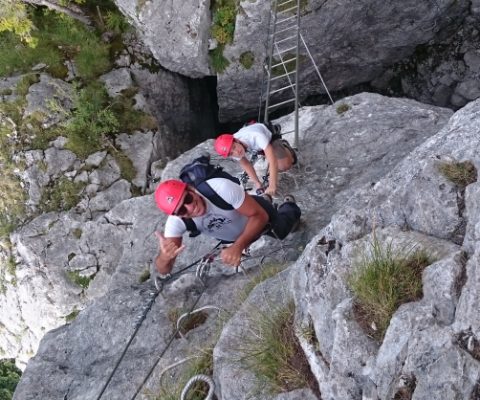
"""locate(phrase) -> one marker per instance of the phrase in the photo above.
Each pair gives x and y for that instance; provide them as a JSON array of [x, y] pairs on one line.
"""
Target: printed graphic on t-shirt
[[215, 222]]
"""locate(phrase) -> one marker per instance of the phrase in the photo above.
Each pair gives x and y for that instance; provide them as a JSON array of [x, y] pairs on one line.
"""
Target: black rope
[[144, 315], [167, 346]]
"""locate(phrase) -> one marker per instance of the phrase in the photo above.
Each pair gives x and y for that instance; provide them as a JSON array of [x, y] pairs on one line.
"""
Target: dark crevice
[[408, 383], [467, 341], [461, 278]]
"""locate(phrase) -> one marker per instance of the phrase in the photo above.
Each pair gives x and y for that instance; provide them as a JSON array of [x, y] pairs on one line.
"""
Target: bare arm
[[257, 220], [272, 169], [169, 250], [248, 168]]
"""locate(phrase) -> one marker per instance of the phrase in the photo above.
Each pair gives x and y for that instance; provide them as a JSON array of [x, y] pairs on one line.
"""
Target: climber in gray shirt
[[248, 218]]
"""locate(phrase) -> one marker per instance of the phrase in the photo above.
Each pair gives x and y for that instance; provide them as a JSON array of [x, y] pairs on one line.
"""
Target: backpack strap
[[206, 190], [191, 227]]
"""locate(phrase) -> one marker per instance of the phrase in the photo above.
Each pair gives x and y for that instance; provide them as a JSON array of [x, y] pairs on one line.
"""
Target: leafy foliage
[[116, 22], [61, 196], [58, 38], [92, 119], [14, 18], [224, 15], [384, 280], [9, 377]]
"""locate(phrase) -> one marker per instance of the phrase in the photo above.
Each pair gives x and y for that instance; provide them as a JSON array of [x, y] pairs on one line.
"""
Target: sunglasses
[[183, 210]]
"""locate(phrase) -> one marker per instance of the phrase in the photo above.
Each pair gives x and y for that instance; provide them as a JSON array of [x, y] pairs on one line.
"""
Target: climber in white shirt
[[257, 137]]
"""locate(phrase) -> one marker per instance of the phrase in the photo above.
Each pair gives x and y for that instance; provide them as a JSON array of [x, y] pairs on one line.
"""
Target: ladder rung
[[287, 10], [281, 104], [285, 39], [285, 50], [283, 88], [285, 2], [281, 76], [284, 62], [286, 29], [285, 20]]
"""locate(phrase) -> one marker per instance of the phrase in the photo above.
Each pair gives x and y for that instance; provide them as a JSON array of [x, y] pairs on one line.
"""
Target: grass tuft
[[461, 174], [382, 282], [217, 60], [202, 363], [61, 196], [267, 271], [273, 352]]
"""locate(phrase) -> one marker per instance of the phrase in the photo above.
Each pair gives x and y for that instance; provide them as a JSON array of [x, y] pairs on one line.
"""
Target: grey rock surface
[[50, 99], [186, 26]]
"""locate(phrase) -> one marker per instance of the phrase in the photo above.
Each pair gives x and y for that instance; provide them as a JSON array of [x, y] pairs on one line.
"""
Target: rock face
[[358, 170], [187, 27], [426, 51]]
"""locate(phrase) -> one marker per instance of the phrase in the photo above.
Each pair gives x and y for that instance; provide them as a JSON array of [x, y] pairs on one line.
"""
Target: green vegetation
[[62, 195], [201, 363], [217, 60], [70, 317], [384, 280], [77, 233], [9, 377], [77, 279], [266, 272], [342, 108], [144, 276], [273, 353], [461, 174], [247, 59], [224, 13], [116, 22], [58, 38]]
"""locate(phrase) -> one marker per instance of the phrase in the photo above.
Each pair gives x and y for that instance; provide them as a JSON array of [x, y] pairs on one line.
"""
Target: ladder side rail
[[265, 72], [295, 143], [265, 119]]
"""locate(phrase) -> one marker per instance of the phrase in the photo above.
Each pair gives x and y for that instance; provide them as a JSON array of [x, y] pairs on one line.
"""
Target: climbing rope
[[152, 297]]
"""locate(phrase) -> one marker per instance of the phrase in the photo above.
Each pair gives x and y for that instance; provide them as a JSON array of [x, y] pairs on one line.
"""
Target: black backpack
[[196, 174]]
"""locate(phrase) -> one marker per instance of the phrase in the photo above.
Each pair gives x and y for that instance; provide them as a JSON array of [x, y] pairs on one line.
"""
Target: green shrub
[[9, 377], [384, 280], [92, 119], [273, 353], [247, 59], [461, 174], [224, 13], [116, 22], [342, 108], [58, 38]]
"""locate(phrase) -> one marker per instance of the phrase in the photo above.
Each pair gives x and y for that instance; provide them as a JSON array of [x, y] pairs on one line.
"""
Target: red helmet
[[168, 194], [223, 144]]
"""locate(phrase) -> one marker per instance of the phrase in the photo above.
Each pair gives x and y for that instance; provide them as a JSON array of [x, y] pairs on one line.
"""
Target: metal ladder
[[282, 71], [283, 59]]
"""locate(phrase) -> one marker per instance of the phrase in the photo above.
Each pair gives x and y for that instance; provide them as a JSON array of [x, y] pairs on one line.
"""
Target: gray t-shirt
[[221, 224]]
